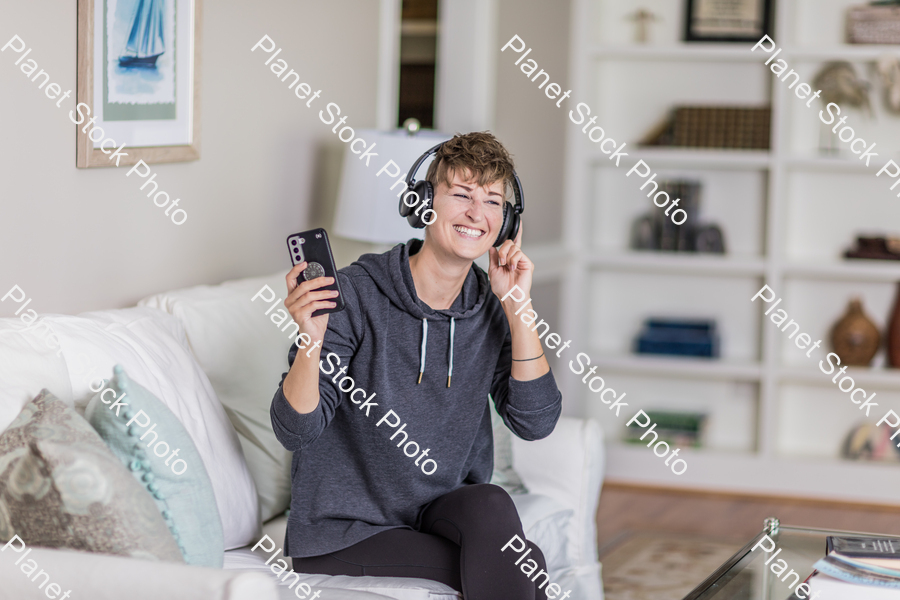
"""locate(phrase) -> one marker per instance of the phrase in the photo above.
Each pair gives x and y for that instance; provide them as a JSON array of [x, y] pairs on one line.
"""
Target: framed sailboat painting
[[139, 79]]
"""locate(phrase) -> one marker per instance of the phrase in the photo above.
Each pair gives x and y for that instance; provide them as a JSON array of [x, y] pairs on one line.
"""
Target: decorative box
[[873, 25]]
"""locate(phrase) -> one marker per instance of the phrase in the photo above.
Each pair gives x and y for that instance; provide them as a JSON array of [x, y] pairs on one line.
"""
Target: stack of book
[[655, 231], [670, 236], [681, 429], [742, 128], [857, 568], [681, 337]]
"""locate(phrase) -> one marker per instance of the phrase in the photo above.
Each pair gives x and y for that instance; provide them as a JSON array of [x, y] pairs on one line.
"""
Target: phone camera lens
[[294, 242]]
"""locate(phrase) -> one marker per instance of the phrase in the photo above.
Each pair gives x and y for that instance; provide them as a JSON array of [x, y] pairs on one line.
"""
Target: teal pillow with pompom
[[181, 488]]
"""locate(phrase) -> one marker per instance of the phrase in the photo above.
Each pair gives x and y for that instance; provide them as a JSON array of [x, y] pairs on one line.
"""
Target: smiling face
[[468, 216]]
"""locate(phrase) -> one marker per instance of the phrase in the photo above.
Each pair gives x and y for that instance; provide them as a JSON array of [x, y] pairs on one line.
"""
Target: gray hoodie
[[381, 444]]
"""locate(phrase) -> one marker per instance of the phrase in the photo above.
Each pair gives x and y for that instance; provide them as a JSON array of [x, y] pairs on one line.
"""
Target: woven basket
[[873, 25]]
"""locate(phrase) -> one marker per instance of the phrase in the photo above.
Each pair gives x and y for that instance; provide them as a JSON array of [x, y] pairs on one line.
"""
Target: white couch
[[208, 343]]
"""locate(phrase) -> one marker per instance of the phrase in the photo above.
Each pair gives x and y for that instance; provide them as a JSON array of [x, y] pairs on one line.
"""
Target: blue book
[[681, 337], [853, 571]]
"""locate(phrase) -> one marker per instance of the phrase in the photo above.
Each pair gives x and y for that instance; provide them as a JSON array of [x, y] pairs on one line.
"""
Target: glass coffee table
[[745, 576]]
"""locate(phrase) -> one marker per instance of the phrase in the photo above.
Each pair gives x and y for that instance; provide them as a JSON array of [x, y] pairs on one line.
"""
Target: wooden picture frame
[[709, 21], [153, 103]]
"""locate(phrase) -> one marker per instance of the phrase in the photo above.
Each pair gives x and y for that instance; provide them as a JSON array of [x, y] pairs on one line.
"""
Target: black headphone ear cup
[[508, 215], [424, 194], [515, 220], [404, 208]]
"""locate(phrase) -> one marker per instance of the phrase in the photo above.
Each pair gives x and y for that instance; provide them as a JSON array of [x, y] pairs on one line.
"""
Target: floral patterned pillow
[[61, 487]]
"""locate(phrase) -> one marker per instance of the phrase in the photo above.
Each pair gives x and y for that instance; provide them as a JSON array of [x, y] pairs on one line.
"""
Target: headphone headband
[[410, 182]]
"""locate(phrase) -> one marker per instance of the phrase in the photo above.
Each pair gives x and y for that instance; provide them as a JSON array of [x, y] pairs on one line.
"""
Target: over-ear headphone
[[422, 197]]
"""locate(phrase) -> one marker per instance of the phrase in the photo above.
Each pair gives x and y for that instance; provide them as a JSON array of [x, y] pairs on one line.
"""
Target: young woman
[[388, 417]]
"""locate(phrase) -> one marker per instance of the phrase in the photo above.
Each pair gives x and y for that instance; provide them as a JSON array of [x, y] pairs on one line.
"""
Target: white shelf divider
[[678, 262], [830, 164], [705, 52], [694, 157], [677, 367], [864, 377], [850, 52], [848, 270]]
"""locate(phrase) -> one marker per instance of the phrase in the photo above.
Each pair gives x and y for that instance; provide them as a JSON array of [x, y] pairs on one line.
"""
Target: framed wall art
[[728, 20], [139, 79]]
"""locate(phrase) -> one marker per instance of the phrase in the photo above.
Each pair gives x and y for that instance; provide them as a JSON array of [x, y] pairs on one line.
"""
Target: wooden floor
[[626, 508]]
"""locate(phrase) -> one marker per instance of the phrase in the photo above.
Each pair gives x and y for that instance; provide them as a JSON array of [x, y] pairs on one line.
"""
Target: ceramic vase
[[855, 338]]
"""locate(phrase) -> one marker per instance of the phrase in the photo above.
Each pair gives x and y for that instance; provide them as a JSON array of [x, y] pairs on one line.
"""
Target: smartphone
[[313, 247]]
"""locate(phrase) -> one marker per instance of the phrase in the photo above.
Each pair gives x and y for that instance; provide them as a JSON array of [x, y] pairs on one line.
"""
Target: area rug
[[646, 566]]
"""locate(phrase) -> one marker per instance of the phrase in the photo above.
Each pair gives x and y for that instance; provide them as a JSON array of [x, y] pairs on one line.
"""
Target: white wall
[[466, 78], [527, 122], [84, 239]]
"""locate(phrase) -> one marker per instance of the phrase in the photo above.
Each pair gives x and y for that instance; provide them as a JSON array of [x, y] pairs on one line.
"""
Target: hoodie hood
[[390, 272]]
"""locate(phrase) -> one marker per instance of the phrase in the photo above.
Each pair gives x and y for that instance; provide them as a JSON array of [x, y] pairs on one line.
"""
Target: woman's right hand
[[306, 298]]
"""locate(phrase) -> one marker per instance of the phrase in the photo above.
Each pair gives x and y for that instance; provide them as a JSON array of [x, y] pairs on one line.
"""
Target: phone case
[[313, 247]]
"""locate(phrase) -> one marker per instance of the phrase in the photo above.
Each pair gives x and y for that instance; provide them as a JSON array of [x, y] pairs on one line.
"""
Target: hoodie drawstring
[[425, 343], [452, 331]]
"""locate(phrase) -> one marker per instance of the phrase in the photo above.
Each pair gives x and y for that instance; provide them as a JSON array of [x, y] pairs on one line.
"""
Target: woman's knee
[[488, 501], [480, 508]]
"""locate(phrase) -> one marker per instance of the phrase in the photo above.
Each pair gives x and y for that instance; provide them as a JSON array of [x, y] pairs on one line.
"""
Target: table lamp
[[367, 207]]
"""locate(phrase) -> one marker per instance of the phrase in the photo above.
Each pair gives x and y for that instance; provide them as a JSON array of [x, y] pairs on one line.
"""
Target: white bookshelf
[[776, 423]]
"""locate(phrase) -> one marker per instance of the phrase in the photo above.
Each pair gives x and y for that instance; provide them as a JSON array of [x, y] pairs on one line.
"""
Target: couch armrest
[[568, 466], [104, 577]]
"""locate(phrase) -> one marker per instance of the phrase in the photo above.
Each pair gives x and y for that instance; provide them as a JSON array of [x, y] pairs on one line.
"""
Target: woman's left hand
[[510, 267]]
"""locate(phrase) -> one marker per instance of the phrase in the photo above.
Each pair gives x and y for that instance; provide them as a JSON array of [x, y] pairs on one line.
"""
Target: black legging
[[458, 544]]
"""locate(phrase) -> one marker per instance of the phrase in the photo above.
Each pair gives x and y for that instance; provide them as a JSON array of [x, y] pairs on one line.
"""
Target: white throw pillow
[[567, 466], [504, 474], [546, 522], [244, 353], [153, 349], [30, 360]]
